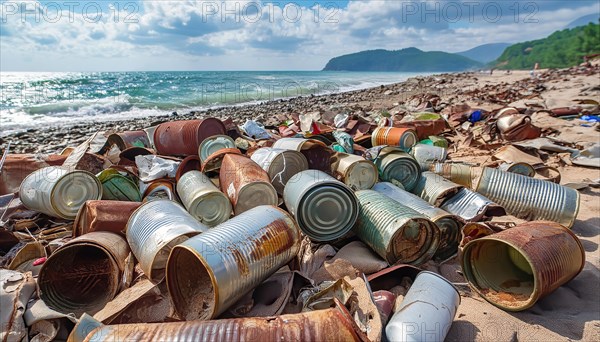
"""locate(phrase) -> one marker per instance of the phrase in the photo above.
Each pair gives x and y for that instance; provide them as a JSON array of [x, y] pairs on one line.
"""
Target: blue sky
[[106, 35]]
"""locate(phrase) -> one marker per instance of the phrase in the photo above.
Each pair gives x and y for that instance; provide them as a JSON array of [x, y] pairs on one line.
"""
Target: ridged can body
[[455, 172], [325, 208], [427, 311], [128, 139], [435, 189], [471, 206], [427, 155], [213, 144], [154, 229], [202, 199], [514, 268], [447, 223], [396, 232], [184, 137], [529, 198], [280, 164], [321, 325], [245, 183], [518, 168], [209, 272], [355, 171], [59, 192], [398, 165], [317, 154], [84, 274], [405, 138]]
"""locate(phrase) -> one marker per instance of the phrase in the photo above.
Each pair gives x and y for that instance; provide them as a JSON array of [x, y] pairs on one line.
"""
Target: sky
[[106, 35]]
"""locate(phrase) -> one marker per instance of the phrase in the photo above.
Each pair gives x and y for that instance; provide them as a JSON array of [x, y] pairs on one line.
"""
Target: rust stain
[[277, 238], [240, 261]]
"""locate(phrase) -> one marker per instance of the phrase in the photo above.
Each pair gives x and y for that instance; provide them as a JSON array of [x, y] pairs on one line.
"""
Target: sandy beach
[[571, 313]]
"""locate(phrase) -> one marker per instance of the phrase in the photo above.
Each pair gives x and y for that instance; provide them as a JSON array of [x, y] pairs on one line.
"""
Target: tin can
[[427, 155], [396, 165], [156, 227], [325, 208], [448, 224], [160, 189], [189, 163], [118, 187], [529, 198], [84, 274], [518, 168], [427, 311], [59, 192], [458, 173], [203, 200], [111, 216], [246, 184], [210, 272], [280, 164], [184, 137], [471, 206], [316, 152], [396, 232], [213, 144], [514, 268], [127, 139], [405, 138], [355, 171], [435, 189]]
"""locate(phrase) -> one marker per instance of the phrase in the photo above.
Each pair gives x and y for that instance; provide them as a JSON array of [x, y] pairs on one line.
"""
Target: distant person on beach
[[535, 68]]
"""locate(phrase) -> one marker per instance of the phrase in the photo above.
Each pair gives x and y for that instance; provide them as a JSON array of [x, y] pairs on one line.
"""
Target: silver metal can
[[203, 199], [280, 164]]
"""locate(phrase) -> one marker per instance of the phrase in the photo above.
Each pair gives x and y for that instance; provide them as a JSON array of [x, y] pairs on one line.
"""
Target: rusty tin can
[[325, 208], [128, 139], [530, 198], [110, 216], [203, 199], [154, 228], [246, 184], [396, 165], [209, 272], [514, 268], [189, 163], [435, 189], [396, 232], [58, 191], [280, 164], [355, 171], [405, 138], [84, 274], [184, 137], [448, 224], [316, 152]]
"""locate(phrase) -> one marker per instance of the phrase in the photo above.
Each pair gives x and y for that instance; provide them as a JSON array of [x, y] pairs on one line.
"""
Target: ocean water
[[37, 99]]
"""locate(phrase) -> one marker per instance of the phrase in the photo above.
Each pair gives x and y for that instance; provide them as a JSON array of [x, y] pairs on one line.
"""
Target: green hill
[[410, 59], [561, 49]]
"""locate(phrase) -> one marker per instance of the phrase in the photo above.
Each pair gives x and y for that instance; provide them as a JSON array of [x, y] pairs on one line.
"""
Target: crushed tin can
[[435, 189], [471, 206], [280, 164]]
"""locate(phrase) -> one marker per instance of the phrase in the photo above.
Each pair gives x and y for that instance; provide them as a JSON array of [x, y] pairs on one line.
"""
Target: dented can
[[514, 268], [435, 189], [246, 184], [529, 198], [427, 155], [447, 223], [184, 137], [84, 274], [322, 325], [280, 164], [355, 171], [396, 165], [202, 199], [405, 138], [213, 144], [316, 152], [154, 228], [427, 311], [59, 192], [210, 272], [471, 206], [396, 232], [325, 208], [455, 172]]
